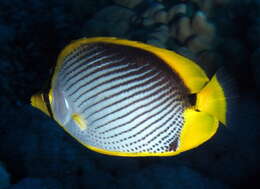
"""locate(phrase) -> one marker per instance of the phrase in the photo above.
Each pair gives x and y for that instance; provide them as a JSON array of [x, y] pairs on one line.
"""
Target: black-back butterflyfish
[[126, 98]]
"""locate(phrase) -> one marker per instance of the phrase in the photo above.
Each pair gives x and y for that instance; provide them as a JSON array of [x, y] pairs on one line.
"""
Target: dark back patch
[[141, 57]]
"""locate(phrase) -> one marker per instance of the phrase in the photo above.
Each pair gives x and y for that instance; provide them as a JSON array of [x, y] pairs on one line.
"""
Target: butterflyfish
[[126, 98]]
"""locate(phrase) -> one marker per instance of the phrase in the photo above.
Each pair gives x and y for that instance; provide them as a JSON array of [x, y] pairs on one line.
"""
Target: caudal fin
[[216, 97]]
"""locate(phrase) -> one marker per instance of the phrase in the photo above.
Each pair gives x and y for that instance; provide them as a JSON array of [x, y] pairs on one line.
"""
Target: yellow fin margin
[[212, 99], [192, 75]]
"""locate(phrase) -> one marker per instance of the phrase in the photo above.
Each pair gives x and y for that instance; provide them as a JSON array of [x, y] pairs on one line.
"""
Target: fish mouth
[[38, 102]]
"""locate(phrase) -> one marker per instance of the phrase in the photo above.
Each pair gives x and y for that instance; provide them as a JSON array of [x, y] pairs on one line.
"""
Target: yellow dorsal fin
[[211, 99], [192, 75], [197, 129]]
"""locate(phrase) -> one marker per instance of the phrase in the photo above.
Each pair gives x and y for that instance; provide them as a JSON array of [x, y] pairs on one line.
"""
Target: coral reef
[[190, 28], [176, 27]]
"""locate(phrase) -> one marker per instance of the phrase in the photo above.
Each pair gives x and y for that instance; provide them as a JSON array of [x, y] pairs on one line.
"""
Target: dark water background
[[36, 153]]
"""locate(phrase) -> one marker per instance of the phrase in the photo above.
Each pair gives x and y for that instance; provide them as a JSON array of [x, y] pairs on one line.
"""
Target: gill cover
[[60, 107]]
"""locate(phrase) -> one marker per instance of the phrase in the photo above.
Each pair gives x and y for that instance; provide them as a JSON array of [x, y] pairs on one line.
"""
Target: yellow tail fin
[[211, 99]]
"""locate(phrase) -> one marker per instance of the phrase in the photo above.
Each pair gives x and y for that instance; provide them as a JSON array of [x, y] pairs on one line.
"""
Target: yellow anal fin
[[197, 129], [211, 99], [80, 122]]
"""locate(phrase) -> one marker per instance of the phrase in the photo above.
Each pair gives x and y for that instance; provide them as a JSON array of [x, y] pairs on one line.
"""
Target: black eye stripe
[[46, 90], [48, 104]]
